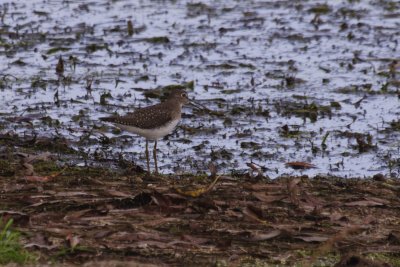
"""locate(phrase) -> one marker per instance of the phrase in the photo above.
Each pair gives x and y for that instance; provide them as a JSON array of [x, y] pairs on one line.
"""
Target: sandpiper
[[153, 122]]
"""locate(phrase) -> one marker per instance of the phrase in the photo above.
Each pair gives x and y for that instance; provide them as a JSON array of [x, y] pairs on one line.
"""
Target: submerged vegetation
[[281, 82]]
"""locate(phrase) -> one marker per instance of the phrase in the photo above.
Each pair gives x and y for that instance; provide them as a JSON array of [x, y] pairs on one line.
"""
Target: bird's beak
[[196, 105], [203, 108]]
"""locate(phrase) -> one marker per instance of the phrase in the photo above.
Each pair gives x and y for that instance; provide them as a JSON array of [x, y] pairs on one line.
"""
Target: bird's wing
[[145, 118]]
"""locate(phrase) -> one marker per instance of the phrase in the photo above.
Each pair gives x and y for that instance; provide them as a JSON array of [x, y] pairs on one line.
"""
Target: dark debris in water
[[275, 77]]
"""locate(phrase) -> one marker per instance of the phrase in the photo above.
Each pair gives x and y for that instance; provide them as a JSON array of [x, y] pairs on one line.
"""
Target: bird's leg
[[155, 156], [147, 157]]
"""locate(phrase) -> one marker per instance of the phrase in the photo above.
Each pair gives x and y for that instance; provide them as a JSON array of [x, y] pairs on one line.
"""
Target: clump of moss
[[320, 9], [57, 49], [336, 105]]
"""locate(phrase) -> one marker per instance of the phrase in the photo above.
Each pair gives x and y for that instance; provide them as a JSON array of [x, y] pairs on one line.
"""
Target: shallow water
[[308, 67]]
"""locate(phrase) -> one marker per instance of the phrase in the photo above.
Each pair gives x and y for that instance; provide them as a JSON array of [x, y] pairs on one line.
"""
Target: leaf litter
[[111, 215]]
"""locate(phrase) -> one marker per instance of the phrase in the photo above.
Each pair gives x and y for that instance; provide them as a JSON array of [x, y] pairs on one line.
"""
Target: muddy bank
[[78, 215]]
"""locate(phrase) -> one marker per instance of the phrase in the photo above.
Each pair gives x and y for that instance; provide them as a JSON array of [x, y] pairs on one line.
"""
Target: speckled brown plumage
[[153, 122], [153, 116], [147, 118]]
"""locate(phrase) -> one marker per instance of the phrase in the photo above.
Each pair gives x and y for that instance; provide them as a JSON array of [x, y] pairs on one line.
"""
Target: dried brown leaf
[[261, 236], [73, 215], [160, 200], [379, 200], [116, 193], [28, 169], [71, 194], [47, 178], [254, 214], [364, 203], [294, 190], [337, 216], [194, 240], [19, 218], [39, 240], [142, 238], [183, 244], [312, 238], [36, 178], [264, 187], [102, 234], [176, 198], [152, 244], [155, 222], [268, 198], [198, 192], [311, 204], [73, 240]]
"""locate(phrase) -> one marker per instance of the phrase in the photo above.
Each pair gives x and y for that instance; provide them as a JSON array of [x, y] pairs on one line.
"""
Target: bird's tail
[[107, 119]]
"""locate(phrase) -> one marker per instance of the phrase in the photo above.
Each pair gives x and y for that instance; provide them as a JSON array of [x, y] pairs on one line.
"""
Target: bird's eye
[[184, 95]]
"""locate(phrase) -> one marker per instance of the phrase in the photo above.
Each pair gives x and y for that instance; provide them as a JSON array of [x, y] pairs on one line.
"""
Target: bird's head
[[179, 95]]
